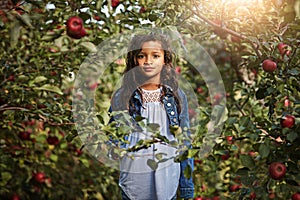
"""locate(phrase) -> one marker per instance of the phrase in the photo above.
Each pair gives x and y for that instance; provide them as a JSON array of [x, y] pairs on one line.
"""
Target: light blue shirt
[[137, 179]]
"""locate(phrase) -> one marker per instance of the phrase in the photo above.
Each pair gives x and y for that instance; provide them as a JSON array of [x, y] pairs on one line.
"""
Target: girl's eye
[[140, 56], [156, 56]]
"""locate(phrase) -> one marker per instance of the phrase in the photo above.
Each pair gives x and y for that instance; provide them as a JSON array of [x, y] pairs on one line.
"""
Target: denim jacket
[[186, 185]]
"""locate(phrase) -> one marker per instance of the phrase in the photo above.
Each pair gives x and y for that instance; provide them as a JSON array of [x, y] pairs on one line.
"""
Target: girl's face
[[151, 60]]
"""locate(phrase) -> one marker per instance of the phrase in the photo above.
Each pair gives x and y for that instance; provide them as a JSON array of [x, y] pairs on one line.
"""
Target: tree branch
[[227, 30], [13, 108]]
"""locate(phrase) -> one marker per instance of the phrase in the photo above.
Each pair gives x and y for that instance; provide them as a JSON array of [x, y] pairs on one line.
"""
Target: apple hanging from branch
[[283, 49], [277, 170], [269, 65], [296, 196], [75, 28], [287, 121], [40, 177]]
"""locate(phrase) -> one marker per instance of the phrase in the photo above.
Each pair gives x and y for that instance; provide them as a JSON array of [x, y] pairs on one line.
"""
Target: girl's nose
[[148, 60]]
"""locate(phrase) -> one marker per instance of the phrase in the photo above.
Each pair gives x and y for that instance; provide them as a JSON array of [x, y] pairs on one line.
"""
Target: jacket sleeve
[[186, 185]]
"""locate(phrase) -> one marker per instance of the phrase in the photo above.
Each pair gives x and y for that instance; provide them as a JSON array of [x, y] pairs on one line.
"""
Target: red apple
[[229, 139], [53, 73], [269, 65], [296, 196], [142, 9], [93, 86], [234, 188], [53, 140], [277, 170], [252, 153], [192, 113], [80, 35], [30, 123], [225, 156], [97, 17], [53, 50], [200, 90], [287, 102], [39, 177], [178, 69], [11, 78], [237, 179], [15, 197], [217, 98], [115, 3], [75, 27], [199, 198], [25, 135], [196, 161], [78, 152], [252, 196], [216, 198], [272, 195], [287, 121], [283, 49], [41, 106]]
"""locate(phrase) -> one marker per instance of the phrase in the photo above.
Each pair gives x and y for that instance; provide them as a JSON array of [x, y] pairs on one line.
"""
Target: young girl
[[150, 90]]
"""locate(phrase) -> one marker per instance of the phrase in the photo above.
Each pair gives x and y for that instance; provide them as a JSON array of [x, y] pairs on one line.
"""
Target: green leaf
[[53, 157], [15, 33], [152, 164], [292, 136], [175, 130], [89, 46], [85, 162], [242, 171], [187, 172], [25, 18], [247, 161], [220, 115], [264, 150], [49, 88], [71, 136], [159, 156], [261, 93], [84, 16], [139, 118], [152, 17], [294, 72], [39, 79], [153, 127], [5, 177], [192, 152]]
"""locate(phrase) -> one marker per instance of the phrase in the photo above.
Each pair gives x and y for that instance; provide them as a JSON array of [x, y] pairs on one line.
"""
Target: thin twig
[[13, 108]]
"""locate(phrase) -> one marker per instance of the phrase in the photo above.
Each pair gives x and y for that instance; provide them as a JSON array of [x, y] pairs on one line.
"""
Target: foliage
[[39, 63]]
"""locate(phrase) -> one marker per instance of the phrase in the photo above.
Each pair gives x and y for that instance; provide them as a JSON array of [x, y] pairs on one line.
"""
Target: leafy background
[[39, 63]]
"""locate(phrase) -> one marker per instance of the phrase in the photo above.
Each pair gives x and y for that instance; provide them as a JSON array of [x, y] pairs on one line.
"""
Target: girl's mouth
[[148, 69]]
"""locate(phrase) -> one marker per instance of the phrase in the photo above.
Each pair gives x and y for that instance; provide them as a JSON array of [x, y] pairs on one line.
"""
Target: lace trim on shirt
[[151, 95]]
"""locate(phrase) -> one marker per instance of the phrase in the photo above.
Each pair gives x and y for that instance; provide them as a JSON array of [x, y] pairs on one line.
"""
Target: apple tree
[[255, 45]]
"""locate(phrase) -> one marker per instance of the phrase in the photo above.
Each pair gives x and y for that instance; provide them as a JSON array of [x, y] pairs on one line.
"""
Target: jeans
[[125, 197]]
